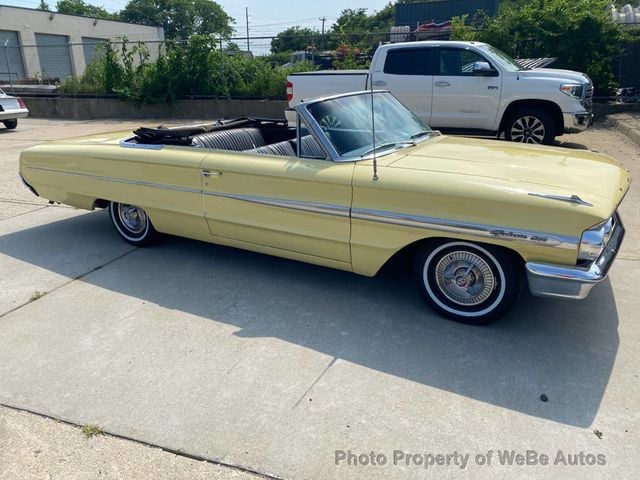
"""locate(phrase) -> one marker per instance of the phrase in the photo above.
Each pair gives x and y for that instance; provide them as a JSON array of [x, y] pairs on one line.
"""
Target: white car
[[11, 109]]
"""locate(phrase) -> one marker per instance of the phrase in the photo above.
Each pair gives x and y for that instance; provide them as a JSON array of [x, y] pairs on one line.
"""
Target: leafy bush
[[579, 32], [182, 70]]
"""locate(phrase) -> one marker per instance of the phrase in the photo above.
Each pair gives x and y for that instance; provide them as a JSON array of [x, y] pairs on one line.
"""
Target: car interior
[[244, 134]]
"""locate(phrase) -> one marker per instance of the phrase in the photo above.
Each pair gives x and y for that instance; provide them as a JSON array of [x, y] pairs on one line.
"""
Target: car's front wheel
[[11, 124], [531, 125], [132, 223], [467, 282]]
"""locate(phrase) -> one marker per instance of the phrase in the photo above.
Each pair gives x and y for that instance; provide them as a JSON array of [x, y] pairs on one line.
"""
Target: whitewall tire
[[468, 282], [132, 223]]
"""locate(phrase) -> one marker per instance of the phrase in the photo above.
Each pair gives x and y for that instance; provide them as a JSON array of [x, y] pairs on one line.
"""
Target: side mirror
[[484, 69]]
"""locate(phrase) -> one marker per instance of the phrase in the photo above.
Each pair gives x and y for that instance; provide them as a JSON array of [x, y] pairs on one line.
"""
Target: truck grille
[[587, 99]]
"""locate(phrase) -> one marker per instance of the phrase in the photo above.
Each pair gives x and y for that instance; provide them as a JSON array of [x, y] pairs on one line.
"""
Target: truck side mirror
[[484, 69]]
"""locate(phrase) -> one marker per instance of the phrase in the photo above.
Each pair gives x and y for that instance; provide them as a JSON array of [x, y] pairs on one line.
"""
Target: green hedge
[[182, 70]]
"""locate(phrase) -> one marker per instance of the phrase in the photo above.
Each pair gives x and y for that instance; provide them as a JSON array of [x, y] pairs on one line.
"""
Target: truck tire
[[11, 124], [531, 125]]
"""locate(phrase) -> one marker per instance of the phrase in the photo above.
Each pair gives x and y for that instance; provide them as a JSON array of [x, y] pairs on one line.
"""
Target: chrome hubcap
[[465, 278], [527, 129], [132, 217]]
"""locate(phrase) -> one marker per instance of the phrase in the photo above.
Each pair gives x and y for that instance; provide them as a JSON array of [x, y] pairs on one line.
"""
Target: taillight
[[21, 103], [289, 91]]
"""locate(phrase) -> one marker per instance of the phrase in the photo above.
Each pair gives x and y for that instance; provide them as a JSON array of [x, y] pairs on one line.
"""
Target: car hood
[[527, 169], [568, 75]]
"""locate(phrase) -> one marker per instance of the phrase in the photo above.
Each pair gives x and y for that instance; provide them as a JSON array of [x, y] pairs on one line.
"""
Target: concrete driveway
[[302, 372]]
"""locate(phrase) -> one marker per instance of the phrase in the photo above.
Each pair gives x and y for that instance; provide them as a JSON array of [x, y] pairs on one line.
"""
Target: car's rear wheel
[[531, 125], [132, 223], [467, 282], [11, 124]]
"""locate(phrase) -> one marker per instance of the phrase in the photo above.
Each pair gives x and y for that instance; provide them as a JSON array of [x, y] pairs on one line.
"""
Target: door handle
[[379, 83], [210, 173], [442, 84]]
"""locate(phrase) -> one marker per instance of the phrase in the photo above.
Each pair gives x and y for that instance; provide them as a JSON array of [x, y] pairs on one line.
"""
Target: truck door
[[462, 99], [408, 74]]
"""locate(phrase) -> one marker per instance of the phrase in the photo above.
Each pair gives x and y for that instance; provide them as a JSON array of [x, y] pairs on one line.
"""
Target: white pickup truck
[[465, 87]]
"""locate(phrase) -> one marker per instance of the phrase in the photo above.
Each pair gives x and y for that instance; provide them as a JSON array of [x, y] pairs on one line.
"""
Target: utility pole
[[246, 11], [324, 19]]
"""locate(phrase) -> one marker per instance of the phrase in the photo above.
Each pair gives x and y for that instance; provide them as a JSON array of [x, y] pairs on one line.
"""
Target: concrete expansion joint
[[147, 444], [74, 279]]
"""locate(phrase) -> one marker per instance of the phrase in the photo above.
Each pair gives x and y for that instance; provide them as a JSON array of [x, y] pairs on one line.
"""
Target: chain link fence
[[41, 69]]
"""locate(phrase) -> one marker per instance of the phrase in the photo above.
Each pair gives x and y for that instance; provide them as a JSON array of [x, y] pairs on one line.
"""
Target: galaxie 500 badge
[[525, 237]]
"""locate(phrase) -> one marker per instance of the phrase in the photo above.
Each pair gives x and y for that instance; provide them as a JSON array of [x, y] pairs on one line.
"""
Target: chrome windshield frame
[[315, 129]]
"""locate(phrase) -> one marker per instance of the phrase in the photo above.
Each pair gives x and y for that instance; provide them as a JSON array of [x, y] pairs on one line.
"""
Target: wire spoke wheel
[[132, 223], [132, 217]]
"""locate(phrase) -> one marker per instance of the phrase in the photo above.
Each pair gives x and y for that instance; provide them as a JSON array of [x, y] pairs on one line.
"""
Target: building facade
[[50, 46]]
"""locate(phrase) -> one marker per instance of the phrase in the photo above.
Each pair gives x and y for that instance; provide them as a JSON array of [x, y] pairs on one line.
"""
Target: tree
[[356, 28], [295, 38], [43, 6], [79, 7], [579, 32], [180, 18]]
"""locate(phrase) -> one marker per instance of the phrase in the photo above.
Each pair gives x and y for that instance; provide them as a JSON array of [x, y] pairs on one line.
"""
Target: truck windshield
[[347, 124], [502, 59]]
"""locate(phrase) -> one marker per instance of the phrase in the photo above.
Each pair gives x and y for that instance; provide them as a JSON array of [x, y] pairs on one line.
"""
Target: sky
[[266, 17]]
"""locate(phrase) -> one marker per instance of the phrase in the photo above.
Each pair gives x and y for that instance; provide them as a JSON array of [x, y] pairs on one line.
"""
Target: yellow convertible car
[[358, 180]]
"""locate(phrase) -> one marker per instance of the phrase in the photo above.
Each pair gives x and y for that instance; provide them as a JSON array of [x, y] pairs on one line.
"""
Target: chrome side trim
[[563, 198], [478, 230], [381, 216], [120, 180], [328, 209], [574, 282]]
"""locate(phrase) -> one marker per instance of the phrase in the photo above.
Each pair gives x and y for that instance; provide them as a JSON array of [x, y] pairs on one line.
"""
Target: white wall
[[28, 22]]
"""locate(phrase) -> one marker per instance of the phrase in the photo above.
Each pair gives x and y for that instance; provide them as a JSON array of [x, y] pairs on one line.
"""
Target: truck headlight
[[572, 89], [594, 240]]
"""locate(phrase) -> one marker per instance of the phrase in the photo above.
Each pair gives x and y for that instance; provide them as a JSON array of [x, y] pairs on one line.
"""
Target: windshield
[[347, 124], [502, 59]]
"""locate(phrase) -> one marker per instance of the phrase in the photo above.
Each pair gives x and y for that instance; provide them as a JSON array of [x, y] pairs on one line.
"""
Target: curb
[[627, 129]]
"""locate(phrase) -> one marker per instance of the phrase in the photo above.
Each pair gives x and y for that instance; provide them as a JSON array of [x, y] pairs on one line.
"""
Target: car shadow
[[562, 349]]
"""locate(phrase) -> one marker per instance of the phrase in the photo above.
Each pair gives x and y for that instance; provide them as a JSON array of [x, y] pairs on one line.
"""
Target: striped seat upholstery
[[284, 149], [310, 147], [238, 139]]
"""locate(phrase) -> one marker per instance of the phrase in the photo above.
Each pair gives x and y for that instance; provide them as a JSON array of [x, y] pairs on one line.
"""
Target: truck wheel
[[531, 125], [11, 124], [468, 282], [330, 121]]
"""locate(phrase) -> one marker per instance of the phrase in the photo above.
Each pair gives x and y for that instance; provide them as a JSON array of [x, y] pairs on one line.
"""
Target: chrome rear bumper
[[574, 282]]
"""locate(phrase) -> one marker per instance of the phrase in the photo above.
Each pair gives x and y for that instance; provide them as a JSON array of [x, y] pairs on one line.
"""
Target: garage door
[[89, 46], [54, 55], [10, 57]]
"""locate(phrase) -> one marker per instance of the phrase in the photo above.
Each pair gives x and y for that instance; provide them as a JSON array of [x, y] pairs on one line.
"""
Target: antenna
[[373, 132]]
